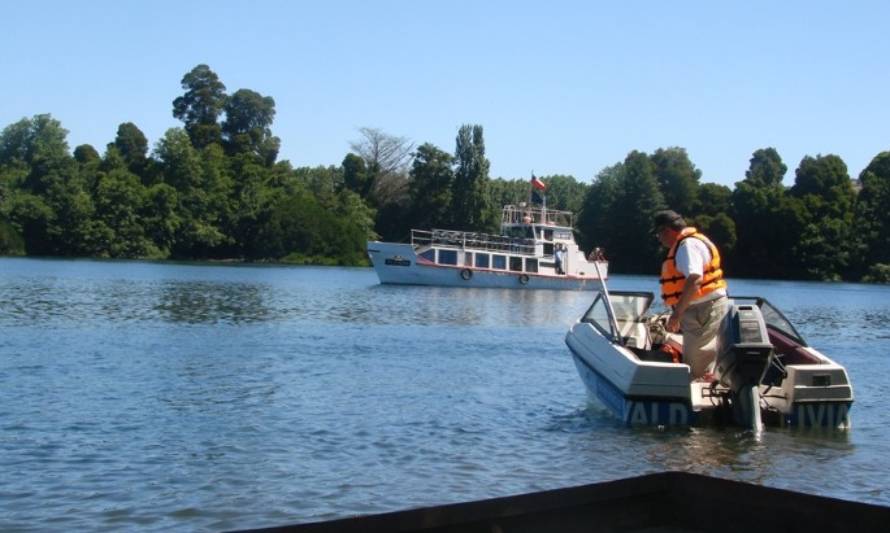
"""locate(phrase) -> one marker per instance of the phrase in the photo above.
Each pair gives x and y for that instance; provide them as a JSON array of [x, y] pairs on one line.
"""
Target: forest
[[214, 189]]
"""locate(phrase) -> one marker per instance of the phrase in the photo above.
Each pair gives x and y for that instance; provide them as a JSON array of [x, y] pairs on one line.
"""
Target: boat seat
[[789, 351]]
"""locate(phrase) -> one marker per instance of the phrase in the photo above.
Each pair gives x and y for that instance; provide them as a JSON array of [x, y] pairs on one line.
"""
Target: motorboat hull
[[810, 391]]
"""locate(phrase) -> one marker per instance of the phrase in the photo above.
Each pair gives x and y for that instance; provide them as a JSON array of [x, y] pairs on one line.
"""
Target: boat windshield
[[629, 308], [772, 316]]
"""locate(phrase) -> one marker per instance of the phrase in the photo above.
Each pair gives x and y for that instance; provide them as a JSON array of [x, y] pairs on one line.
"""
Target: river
[[161, 396]]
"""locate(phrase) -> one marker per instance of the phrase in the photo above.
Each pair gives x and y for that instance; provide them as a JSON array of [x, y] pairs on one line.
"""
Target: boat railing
[[534, 214], [472, 240]]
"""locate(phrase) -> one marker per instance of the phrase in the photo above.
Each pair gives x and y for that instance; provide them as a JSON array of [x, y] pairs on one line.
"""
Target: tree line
[[215, 189]]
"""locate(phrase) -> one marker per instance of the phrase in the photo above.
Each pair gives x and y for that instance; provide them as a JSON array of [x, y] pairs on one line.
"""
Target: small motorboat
[[765, 373]]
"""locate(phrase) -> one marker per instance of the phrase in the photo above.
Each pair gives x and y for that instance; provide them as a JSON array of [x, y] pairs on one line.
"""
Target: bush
[[11, 243], [879, 273]]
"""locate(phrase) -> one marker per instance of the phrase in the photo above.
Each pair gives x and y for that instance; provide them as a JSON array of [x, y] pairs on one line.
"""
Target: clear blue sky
[[560, 87]]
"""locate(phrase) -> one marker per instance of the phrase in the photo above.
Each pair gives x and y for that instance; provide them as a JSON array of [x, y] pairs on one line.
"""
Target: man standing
[[560, 258], [692, 285]]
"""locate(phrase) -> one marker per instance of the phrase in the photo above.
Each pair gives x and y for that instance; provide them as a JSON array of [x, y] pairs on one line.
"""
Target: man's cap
[[668, 218]]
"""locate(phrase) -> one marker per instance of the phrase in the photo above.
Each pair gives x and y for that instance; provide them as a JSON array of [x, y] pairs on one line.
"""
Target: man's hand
[[673, 324]]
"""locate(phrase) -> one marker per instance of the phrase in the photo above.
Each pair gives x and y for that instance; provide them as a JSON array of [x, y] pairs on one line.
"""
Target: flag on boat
[[538, 184]]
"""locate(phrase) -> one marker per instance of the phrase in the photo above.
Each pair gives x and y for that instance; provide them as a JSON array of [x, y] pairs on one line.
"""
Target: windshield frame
[[600, 316], [773, 318]]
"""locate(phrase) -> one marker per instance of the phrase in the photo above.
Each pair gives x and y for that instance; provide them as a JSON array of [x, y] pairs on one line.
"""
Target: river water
[[157, 396]]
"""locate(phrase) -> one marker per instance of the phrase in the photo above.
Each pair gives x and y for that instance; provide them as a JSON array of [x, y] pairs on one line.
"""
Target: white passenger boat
[[765, 372], [535, 250]]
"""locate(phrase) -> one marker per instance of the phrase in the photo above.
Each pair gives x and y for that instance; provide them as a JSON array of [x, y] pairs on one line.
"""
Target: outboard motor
[[743, 357]]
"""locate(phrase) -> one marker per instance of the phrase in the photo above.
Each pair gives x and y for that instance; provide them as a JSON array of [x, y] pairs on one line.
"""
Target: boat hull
[[397, 263], [661, 394]]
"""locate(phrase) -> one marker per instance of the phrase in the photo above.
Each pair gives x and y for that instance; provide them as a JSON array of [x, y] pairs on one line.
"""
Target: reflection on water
[[205, 302], [195, 397]]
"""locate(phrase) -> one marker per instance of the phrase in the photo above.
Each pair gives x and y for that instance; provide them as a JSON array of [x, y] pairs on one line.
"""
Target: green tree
[[199, 108], [721, 229], [826, 193], [469, 193], [202, 185], [594, 224], [31, 218], [677, 178], [11, 242], [355, 175], [248, 126], [872, 216], [430, 187], [133, 147], [120, 201], [766, 168], [714, 199], [617, 215], [299, 229], [564, 193], [85, 154], [161, 217], [37, 150], [768, 221]]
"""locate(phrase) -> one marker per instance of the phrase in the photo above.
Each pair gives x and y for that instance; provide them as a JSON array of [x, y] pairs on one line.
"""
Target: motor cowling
[[744, 350]]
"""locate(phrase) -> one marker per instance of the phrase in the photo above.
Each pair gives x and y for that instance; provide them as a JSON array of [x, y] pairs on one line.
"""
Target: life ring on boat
[[466, 274], [523, 279]]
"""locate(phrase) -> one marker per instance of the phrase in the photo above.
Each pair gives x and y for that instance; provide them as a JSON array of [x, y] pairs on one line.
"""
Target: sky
[[560, 87]]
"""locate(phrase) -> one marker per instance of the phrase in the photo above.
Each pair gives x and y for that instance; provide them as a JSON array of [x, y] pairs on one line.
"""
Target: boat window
[[429, 255], [548, 234], [531, 265], [447, 257], [500, 262], [563, 235], [548, 248], [482, 260], [516, 264]]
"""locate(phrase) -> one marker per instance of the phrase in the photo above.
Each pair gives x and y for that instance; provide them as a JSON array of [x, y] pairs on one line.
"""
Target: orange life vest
[[673, 281]]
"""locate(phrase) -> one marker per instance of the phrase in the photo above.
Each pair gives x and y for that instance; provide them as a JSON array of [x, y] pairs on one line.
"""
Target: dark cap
[[668, 218]]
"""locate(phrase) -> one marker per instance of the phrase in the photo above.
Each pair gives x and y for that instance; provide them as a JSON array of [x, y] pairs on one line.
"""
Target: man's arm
[[689, 289]]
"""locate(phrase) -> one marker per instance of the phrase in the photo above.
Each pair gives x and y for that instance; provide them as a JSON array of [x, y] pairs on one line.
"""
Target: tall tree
[[133, 147], [767, 223], [677, 178], [430, 187], [594, 224], [617, 215], [86, 154], [248, 126], [469, 195], [199, 108], [765, 168], [355, 175], [633, 248], [202, 186], [872, 216], [826, 193]]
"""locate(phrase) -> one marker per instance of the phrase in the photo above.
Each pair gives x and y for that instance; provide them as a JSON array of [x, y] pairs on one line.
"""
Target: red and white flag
[[538, 184]]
